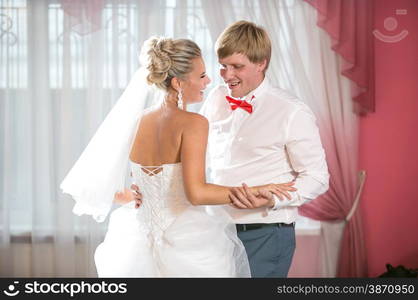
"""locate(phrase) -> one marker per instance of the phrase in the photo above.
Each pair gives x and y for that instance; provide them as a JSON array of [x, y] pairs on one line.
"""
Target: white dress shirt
[[277, 143]]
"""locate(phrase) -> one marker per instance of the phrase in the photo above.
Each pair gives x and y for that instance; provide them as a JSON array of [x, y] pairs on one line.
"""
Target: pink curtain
[[330, 207], [350, 25], [86, 15]]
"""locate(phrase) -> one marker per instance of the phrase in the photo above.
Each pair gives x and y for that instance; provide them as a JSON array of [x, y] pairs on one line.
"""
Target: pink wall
[[389, 145]]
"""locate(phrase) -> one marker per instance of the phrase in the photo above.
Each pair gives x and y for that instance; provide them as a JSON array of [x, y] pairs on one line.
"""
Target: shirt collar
[[256, 92]]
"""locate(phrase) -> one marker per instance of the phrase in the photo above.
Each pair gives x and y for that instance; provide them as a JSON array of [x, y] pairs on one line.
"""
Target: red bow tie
[[239, 103]]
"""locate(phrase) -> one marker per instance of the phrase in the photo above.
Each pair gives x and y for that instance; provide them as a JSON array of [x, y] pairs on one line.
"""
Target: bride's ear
[[175, 84]]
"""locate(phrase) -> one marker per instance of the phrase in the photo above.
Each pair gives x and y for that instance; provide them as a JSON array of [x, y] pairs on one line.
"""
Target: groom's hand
[[136, 195], [246, 197], [129, 195], [261, 198], [239, 199]]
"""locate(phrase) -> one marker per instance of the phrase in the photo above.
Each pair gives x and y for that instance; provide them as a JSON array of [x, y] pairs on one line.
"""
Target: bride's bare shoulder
[[175, 119], [192, 119]]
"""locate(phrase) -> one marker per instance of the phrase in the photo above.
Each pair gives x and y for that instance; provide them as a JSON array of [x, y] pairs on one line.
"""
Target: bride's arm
[[198, 192], [193, 158]]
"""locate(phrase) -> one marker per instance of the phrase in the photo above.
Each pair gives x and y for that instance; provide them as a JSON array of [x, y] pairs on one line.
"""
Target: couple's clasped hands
[[246, 197]]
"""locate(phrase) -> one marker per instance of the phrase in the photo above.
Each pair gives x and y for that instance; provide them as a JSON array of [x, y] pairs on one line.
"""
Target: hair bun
[[157, 58], [166, 58]]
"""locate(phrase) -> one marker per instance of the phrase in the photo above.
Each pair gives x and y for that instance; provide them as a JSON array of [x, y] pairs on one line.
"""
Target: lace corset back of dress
[[163, 195]]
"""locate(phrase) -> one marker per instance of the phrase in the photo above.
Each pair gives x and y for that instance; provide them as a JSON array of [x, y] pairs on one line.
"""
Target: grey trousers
[[270, 250]]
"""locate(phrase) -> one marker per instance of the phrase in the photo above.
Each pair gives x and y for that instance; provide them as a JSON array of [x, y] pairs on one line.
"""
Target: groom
[[261, 134]]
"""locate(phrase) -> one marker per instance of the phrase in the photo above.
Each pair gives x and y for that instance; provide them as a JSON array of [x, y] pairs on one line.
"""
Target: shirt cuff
[[280, 203], [276, 203]]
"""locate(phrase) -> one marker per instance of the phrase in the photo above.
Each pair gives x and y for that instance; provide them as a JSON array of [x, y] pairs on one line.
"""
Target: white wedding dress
[[168, 236]]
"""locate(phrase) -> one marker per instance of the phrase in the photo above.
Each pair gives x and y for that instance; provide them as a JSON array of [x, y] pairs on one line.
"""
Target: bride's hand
[[281, 190], [129, 195]]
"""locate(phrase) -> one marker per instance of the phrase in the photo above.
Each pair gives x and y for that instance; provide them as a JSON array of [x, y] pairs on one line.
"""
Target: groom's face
[[240, 74]]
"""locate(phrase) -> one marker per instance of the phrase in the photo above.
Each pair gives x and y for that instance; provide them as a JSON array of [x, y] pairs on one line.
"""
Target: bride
[[180, 230]]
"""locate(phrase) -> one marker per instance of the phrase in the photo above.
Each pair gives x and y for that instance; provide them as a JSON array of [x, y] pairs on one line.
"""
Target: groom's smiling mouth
[[233, 85]]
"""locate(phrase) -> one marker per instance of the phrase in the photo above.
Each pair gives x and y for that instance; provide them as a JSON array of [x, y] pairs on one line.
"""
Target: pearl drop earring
[[180, 100]]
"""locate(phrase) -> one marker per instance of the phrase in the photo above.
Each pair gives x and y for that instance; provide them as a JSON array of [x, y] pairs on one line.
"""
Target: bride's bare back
[[169, 135], [158, 140]]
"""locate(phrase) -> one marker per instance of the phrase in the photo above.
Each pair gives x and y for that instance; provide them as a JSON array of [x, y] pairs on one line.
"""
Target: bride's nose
[[207, 81]]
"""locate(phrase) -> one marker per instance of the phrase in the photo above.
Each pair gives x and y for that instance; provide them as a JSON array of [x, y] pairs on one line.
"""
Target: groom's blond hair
[[245, 38]]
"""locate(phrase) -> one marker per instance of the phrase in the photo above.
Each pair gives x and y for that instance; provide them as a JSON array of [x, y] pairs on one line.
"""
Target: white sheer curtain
[[63, 64], [60, 73]]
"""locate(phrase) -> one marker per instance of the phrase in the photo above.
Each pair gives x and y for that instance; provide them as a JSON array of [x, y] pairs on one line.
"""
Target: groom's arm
[[307, 158]]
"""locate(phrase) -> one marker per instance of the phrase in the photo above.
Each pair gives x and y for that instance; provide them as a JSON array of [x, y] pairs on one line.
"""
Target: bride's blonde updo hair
[[166, 58]]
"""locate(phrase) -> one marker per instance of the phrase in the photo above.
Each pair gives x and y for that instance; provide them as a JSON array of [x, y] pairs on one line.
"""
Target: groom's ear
[[262, 66]]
